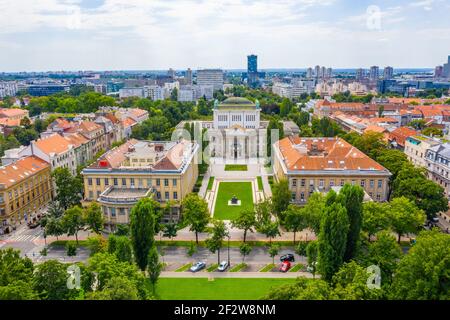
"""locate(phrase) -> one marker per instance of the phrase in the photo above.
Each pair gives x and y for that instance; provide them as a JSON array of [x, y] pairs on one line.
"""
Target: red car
[[285, 266]]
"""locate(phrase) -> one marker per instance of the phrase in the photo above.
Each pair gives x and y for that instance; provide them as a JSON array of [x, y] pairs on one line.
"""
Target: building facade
[[25, 189], [210, 77], [416, 149], [167, 171], [320, 164]]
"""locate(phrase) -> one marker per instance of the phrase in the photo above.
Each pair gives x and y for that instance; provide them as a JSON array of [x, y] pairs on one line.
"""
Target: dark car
[[285, 266], [287, 257], [33, 225]]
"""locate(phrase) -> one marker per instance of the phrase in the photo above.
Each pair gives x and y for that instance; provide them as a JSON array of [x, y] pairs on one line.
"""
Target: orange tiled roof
[[53, 144], [375, 128], [138, 112], [9, 122], [381, 120], [335, 154], [128, 122], [7, 113], [401, 134], [76, 139], [89, 126], [21, 170]]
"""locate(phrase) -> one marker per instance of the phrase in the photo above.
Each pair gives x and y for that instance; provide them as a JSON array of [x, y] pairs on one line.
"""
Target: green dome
[[236, 103]]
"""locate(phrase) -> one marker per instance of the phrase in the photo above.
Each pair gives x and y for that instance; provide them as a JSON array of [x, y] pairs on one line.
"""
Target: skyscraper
[[189, 77], [252, 69], [374, 73], [171, 73], [317, 71], [446, 69], [309, 73], [210, 77], [388, 73], [360, 74]]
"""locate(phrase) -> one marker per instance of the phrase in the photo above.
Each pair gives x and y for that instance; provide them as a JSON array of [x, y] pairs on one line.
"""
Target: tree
[[245, 250], [418, 124], [312, 253], [274, 124], [14, 268], [332, 240], [94, 217], [245, 221], [285, 107], [117, 288], [384, 253], [313, 211], [96, 244], [123, 249], [18, 290], [273, 251], [270, 230], [281, 197], [170, 230], [68, 188], [73, 221], [422, 274], [50, 280], [375, 218], [353, 199], [405, 217], [432, 131], [142, 229], [195, 213], [218, 233], [427, 195], [53, 227], [295, 220], [154, 267], [302, 289]]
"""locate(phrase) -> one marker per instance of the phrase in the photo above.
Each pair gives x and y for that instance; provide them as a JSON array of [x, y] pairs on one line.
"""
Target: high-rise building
[[252, 69], [438, 71], [360, 74], [329, 73], [309, 73], [171, 73], [446, 69], [323, 72], [317, 71], [210, 77], [388, 73], [374, 73], [189, 77]]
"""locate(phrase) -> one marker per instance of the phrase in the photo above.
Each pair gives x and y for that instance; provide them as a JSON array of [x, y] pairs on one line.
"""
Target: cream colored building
[[166, 171], [416, 149], [320, 164]]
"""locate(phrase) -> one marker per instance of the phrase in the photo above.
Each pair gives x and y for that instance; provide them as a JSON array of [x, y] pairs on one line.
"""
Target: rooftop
[[237, 103], [319, 154], [21, 170]]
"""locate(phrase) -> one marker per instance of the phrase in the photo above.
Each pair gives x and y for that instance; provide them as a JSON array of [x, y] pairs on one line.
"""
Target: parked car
[[435, 220], [33, 225], [285, 266], [198, 266], [288, 257], [223, 266]]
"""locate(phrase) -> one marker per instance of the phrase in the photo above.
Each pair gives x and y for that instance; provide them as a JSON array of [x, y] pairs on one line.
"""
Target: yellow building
[[167, 171], [321, 164], [25, 189]]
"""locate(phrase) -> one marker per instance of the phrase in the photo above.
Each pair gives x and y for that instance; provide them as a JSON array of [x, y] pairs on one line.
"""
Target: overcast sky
[[41, 35]]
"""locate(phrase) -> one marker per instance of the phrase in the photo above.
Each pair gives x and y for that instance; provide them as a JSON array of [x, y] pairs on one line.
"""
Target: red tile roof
[[21, 170], [401, 134], [53, 144]]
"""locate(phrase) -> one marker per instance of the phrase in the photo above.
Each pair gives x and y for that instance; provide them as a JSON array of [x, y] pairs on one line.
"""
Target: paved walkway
[[229, 275], [204, 186]]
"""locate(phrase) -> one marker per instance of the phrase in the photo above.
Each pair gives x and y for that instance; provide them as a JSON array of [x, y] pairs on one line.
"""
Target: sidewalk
[[230, 275]]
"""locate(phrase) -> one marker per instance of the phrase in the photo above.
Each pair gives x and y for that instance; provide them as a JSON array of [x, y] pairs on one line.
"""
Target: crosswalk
[[21, 235]]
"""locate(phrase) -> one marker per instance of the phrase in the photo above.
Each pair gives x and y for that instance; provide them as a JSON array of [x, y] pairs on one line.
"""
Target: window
[[113, 212], [141, 183], [91, 195], [132, 182], [106, 182], [380, 184], [302, 196], [149, 182], [342, 182], [321, 183], [158, 195], [166, 195], [124, 182], [353, 182], [175, 195], [115, 181], [98, 194], [158, 182], [293, 195], [311, 183], [97, 181], [378, 197], [372, 183], [363, 183], [174, 182], [303, 182], [166, 182], [294, 182], [89, 182], [331, 183], [121, 211]]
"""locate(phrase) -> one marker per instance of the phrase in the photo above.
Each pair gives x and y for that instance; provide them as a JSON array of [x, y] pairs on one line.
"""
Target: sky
[[54, 35]]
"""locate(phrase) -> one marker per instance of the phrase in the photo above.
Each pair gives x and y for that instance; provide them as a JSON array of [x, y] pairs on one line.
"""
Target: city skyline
[[54, 35]]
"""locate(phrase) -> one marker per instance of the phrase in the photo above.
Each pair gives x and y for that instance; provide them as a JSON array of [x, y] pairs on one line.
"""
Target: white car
[[223, 266], [198, 266]]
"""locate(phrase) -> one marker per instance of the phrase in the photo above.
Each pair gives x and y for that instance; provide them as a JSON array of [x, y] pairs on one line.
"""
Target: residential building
[[438, 165], [416, 149], [12, 117], [397, 138], [46, 89], [319, 164], [131, 92], [388, 73], [8, 89], [187, 94], [210, 77], [25, 189], [189, 77], [374, 73], [165, 170], [360, 74]]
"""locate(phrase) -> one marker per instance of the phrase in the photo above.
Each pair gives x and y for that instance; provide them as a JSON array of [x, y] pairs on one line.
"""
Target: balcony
[[124, 196]]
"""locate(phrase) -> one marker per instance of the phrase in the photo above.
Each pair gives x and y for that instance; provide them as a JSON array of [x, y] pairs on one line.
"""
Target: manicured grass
[[212, 267], [260, 184], [219, 289], [297, 267], [236, 167], [267, 268], [63, 243], [238, 267], [242, 190], [174, 243], [210, 183], [184, 268]]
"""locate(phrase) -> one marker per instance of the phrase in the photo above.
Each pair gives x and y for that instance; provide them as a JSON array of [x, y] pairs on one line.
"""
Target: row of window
[[132, 182], [158, 195], [28, 186], [20, 204], [332, 183], [303, 199]]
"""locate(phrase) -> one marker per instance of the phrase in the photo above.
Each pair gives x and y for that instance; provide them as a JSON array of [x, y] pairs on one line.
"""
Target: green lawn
[[267, 268], [184, 268], [242, 190], [236, 167], [260, 184], [210, 183], [219, 289]]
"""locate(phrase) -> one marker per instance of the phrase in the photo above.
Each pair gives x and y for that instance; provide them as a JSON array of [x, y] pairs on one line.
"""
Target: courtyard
[[226, 190]]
